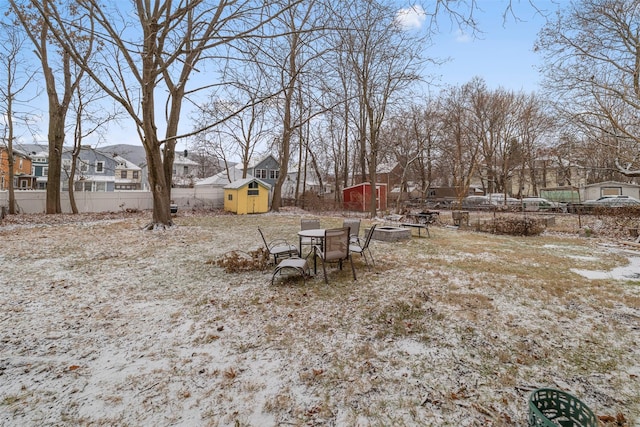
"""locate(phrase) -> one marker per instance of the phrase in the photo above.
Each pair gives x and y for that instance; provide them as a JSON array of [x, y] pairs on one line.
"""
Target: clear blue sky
[[502, 54]]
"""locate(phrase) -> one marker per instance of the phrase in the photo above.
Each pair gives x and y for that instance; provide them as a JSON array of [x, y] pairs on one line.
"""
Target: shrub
[[237, 261], [521, 226]]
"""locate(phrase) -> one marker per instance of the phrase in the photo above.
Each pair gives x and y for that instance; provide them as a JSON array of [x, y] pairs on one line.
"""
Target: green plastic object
[[552, 408]]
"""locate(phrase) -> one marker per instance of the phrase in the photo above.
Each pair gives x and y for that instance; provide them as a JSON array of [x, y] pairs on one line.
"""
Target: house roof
[[617, 183], [222, 178], [242, 182], [253, 163], [386, 167], [128, 165]]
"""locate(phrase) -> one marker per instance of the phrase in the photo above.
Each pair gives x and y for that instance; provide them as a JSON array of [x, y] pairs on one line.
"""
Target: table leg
[[315, 261]]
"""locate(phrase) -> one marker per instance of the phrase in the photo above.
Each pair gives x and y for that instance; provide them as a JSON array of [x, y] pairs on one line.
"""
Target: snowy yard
[[104, 324]]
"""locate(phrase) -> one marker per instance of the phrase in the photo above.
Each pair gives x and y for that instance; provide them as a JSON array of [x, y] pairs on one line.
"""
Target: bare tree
[[59, 80], [90, 116], [592, 62], [15, 76], [384, 58], [460, 149], [243, 123], [136, 68]]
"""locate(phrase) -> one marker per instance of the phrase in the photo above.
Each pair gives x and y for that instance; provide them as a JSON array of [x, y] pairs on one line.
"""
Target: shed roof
[[242, 182]]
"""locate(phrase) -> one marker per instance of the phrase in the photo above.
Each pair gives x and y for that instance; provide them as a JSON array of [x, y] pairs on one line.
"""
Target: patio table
[[317, 234]]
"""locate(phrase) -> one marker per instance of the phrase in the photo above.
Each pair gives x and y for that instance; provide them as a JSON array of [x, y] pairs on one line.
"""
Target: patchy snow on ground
[[103, 323]]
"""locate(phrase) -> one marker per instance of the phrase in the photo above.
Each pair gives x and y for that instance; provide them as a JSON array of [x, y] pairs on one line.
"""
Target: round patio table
[[316, 235]]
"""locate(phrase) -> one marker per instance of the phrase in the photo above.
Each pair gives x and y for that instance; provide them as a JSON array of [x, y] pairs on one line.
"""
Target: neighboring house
[[289, 186], [22, 177], [212, 188], [548, 173], [266, 169], [386, 173], [40, 168], [128, 176], [247, 196], [185, 171], [610, 188], [95, 171]]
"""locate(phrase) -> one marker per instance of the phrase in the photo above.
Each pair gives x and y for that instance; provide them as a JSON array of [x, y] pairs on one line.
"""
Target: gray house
[[266, 169], [94, 171]]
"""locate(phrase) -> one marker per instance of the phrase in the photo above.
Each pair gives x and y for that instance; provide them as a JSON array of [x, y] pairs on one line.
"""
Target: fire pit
[[390, 234]]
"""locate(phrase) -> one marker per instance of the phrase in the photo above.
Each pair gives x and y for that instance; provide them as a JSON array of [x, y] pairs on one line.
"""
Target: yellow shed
[[246, 196]]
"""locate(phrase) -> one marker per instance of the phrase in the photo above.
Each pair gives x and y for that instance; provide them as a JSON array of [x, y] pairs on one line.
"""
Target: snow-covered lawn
[[105, 324]]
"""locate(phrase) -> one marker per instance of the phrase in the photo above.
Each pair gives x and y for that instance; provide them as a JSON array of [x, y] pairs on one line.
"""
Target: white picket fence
[[34, 201]]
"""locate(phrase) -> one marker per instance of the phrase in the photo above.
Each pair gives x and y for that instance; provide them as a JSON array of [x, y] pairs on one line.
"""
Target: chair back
[[354, 225], [368, 238], [309, 224], [263, 239], [336, 244]]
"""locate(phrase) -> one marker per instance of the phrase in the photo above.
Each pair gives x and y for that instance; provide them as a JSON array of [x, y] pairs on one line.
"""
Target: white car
[[614, 201]]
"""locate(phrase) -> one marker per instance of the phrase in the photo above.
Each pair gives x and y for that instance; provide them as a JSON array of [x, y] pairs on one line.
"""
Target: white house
[[611, 188], [212, 188]]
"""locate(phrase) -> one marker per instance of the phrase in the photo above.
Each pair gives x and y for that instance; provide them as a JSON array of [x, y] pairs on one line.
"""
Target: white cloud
[[411, 17], [462, 37]]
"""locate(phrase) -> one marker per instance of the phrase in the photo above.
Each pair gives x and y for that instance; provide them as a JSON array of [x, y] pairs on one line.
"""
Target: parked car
[[476, 203], [489, 203], [540, 204], [499, 199], [613, 201]]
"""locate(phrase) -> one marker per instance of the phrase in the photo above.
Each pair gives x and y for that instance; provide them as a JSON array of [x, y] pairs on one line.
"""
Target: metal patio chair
[[279, 248], [335, 248], [362, 248], [308, 224], [354, 225]]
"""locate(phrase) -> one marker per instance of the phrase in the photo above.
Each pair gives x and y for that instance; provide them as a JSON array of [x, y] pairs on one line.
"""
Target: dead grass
[[455, 329]]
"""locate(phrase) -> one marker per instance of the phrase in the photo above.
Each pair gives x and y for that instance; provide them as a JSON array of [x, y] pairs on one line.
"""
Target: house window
[[123, 174], [253, 189], [20, 164], [273, 174], [135, 174], [261, 173], [84, 167], [45, 171], [611, 191], [230, 197], [99, 167], [185, 170], [66, 164]]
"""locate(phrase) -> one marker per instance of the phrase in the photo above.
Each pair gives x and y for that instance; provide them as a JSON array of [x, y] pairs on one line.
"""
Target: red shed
[[358, 197]]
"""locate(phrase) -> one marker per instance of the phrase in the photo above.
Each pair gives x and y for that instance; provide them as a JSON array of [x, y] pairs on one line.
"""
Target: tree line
[[334, 89]]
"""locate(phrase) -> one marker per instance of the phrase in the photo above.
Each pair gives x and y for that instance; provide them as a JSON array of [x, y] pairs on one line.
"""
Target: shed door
[[253, 193]]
